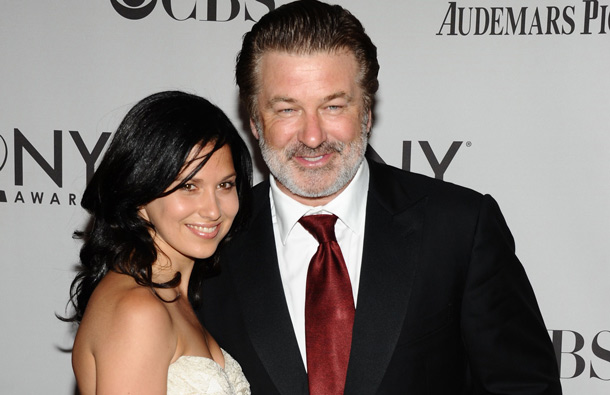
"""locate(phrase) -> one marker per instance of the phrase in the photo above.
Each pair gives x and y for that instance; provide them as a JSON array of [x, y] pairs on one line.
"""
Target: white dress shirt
[[296, 246]]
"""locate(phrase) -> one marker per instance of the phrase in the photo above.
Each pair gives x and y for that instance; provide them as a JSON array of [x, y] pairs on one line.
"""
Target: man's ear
[[369, 123], [253, 129]]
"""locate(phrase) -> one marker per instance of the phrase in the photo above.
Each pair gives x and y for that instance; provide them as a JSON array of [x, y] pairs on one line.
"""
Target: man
[[442, 304]]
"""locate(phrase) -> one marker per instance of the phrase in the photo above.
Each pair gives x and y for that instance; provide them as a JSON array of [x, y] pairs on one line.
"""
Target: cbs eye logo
[[134, 9], [139, 9]]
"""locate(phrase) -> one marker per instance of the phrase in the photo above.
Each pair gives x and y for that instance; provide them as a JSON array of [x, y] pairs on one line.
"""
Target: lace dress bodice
[[191, 375]]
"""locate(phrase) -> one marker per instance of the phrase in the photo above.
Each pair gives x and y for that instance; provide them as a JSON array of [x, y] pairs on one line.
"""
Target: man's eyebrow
[[332, 96], [336, 95], [280, 99]]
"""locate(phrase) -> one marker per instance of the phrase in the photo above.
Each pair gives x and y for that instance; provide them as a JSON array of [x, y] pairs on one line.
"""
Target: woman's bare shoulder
[[120, 307], [126, 330]]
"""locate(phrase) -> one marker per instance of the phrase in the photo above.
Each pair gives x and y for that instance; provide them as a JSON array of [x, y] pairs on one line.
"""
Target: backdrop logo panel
[[202, 10], [24, 151], [588, 17], [439, 167], [437, 163], [571, 350]]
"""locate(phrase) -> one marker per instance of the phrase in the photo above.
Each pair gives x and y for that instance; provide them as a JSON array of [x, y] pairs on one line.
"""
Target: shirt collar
[[349, 206]]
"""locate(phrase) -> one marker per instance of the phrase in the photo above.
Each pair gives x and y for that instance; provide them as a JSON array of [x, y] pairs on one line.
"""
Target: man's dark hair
[[305, 27]]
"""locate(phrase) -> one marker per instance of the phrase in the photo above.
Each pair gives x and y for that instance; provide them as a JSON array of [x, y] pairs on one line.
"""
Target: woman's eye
[[189, 187], [226, 185]]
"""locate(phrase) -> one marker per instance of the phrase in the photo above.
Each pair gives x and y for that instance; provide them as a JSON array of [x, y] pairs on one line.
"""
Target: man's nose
[[312, 133]]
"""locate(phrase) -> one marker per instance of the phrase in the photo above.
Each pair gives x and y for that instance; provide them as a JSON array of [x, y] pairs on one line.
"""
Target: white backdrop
[[523, 105]]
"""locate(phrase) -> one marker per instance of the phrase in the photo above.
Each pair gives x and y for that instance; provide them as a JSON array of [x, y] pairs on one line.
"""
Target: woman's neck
[[164, 270]]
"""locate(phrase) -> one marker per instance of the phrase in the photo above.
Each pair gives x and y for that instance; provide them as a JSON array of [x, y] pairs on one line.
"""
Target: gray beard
[[311, 187]]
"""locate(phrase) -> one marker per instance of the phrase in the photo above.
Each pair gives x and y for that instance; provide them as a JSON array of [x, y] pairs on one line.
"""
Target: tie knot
[[321, 226]]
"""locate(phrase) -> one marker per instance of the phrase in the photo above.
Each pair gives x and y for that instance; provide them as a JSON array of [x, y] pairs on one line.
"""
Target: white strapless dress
[[191, 375]]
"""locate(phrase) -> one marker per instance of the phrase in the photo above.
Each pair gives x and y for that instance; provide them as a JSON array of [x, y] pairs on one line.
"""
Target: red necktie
[[329, 310]]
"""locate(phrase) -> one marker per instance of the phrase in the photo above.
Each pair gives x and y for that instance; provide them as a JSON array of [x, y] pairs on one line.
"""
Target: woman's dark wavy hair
[[149, 149]]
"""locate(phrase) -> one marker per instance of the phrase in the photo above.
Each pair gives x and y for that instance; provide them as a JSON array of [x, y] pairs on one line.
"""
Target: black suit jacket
[[444, 306]]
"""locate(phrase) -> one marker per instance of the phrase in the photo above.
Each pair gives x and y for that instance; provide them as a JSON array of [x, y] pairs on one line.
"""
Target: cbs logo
[[202, 10]]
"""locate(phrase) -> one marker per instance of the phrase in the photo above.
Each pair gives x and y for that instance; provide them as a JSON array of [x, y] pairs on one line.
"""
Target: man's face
[[312, 126]]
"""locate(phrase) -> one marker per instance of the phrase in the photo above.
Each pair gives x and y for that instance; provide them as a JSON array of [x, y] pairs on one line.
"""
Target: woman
[[163, 198]]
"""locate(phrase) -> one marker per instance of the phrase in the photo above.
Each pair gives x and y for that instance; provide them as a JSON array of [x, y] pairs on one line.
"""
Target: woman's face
[[191, 221]]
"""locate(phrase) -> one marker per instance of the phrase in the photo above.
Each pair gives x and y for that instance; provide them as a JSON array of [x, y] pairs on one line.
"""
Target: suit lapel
[[259, 286], [391, 248]]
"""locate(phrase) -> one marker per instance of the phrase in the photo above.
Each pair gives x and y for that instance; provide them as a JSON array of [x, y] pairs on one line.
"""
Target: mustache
[[300, 149]]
